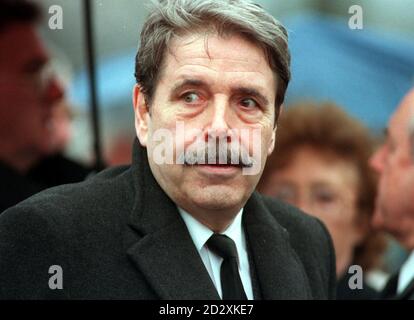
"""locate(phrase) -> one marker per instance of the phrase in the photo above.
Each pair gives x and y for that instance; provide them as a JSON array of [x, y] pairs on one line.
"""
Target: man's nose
[[54, 91], [219, 127]]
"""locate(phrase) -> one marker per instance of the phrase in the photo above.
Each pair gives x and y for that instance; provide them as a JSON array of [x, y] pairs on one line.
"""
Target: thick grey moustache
[[220, 157]]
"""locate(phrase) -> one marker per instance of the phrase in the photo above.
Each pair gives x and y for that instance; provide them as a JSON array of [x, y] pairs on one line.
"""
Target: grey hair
[[170, 18]]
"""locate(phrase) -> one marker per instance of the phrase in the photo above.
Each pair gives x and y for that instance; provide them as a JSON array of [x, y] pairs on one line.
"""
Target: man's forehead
[[212, 46], [226, 59]]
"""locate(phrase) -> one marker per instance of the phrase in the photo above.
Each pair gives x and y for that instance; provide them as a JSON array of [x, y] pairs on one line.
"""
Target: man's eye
[[249, 103], [191, 97]]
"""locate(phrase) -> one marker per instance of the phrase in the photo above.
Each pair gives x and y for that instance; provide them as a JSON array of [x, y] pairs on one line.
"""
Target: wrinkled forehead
[[231, 54], [205, 42], [21, 46]]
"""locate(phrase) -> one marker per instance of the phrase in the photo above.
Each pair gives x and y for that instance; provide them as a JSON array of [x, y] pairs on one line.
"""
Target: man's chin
[[217, 197]]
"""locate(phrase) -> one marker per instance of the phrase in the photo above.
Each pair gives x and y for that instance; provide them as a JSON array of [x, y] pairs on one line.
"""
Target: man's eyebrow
[[239, 90], [188, 83]]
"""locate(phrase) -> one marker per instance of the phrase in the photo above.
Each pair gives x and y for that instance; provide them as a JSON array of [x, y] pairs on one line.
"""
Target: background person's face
[[27, 93], [395, 201], [324, 186], [230, 87]]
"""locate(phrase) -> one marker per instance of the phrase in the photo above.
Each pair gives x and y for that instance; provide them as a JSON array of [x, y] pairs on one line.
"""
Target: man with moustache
[[194, 229], [394, 213]]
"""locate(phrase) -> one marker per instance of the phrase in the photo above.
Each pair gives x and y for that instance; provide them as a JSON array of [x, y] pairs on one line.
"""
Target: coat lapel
[[172, 266], [280, 273], [163, 250]]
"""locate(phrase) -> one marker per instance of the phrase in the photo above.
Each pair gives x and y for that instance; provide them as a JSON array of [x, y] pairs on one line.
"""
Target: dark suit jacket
[[119, 236]]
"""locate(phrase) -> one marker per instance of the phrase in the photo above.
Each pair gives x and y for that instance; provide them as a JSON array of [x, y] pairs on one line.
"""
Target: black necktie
[[231, 284]]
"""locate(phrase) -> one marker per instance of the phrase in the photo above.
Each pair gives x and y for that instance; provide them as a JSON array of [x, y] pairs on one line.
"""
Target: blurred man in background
[[29, 93], [395, 202]]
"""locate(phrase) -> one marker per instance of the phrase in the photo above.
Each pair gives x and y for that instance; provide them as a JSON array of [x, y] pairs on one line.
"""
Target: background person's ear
[[271, 145], [142, 116]]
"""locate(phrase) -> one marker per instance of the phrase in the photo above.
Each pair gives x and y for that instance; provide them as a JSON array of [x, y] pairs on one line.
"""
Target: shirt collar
[[200, 233], [406, 273]]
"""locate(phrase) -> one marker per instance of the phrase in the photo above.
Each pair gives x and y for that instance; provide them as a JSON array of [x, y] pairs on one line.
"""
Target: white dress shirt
[[406, 274], [200, 234]]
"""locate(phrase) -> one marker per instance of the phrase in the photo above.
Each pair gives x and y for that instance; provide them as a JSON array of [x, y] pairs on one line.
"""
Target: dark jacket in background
[[15, 187], [49, 172], [119, 236]]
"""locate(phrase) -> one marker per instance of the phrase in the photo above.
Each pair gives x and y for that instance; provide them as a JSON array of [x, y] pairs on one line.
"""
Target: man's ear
[[142, 116], [273, 139]]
